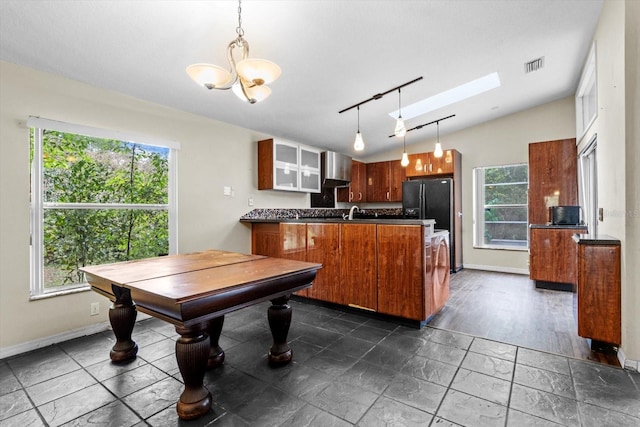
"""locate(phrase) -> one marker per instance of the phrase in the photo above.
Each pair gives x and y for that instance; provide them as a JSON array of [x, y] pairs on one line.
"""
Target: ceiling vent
[[534, 65]]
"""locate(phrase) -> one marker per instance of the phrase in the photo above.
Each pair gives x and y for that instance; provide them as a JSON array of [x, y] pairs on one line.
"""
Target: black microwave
[[564, 215]]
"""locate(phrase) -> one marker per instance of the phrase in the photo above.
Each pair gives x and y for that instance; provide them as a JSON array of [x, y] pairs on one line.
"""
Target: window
[[587, 95], [588, 185], [500, 200], [97, 197]]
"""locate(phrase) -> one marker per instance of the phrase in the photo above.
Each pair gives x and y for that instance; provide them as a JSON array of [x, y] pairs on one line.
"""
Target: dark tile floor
[[348, 369]]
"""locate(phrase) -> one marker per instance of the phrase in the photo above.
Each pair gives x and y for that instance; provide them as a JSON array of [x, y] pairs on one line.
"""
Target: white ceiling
[[333, 54]]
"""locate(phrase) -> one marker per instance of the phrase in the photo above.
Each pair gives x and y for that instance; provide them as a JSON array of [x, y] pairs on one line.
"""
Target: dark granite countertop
[[369, 216], [595, 239]]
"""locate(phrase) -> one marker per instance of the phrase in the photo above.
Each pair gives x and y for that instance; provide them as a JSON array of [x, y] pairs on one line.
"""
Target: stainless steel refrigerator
[[431, 199]]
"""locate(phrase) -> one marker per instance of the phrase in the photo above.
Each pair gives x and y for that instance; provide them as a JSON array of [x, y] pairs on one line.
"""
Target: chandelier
[[247, 78]]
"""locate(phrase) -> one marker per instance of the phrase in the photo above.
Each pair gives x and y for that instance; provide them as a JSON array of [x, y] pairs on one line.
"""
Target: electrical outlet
[[95, 309], [250, 202]]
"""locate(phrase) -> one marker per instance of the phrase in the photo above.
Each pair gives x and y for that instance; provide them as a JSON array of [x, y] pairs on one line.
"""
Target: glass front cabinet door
[[285, 165]]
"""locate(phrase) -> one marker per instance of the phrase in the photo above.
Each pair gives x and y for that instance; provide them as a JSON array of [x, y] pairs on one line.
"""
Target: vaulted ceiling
[[333, 54]]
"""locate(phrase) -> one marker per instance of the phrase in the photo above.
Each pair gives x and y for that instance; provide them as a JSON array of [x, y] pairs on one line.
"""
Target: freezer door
[[412, 199], [439, 198]]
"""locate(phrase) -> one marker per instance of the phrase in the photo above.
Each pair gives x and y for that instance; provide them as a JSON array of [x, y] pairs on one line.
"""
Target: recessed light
[[451, 96]]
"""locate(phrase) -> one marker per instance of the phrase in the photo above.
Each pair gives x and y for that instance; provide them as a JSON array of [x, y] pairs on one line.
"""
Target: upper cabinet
[[426, 164], [284, 165], [356, 192], [384, 181], [553, 177]]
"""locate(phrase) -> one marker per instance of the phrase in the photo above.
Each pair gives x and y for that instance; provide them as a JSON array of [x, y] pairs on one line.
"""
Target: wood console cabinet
[[357, 190], [599, 293], [384, 181], [553, 255]]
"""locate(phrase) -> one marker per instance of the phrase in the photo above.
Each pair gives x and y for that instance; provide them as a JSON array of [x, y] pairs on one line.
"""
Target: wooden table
[[194, 292]]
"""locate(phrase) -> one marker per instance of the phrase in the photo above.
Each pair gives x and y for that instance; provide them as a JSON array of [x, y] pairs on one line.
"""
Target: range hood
[[336, 169]]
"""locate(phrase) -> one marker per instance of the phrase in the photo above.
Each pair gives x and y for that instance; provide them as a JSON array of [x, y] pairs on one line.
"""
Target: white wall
[[618, 150], [213, 155]]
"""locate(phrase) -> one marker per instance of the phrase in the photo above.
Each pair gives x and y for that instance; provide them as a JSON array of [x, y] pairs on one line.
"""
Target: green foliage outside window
[[79, 169], [505, 205]]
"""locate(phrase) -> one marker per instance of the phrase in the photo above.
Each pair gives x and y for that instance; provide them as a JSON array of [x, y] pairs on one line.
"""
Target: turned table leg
[[279, 315], [192, 353], [122, 316], [216, 354]]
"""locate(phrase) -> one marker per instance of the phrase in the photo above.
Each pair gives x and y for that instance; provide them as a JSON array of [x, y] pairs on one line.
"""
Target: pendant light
[[405, 158], [358, 144], [247, 78], [438, 151], [400, 129]]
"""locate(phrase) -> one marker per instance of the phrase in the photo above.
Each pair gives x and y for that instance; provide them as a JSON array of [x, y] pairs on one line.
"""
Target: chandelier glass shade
[[247, 77]]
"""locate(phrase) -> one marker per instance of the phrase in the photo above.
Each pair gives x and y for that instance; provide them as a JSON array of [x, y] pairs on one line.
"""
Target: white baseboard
[[632, 365], [64, 336], [498, 269], [53, 339]]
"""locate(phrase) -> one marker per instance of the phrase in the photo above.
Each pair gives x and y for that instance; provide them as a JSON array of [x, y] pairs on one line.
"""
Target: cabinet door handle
[[360, 195], [388, 197], [350, 196]]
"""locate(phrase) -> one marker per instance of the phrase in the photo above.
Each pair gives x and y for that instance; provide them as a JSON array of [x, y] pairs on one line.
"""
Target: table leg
[[192, 353], [279, 315], [122, 316], [216, 354]]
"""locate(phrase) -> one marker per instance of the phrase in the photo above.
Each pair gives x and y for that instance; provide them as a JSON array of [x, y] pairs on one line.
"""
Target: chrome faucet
[[354, 207]]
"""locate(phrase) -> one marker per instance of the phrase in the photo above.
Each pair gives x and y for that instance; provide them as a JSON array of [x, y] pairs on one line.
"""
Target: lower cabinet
[[323, 247], [598, 295], [358, 266], [553, 255], [399, 270]]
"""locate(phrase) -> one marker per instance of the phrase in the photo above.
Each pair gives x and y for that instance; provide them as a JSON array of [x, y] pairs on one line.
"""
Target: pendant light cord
[[399, 103]]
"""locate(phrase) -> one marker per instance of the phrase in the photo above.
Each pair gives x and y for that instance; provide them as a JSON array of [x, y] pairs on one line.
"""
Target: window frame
[[38, 206], [479, 209]]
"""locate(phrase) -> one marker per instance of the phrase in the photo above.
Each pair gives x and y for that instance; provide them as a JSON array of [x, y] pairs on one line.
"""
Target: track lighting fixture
[[405, 158], [358, 144]]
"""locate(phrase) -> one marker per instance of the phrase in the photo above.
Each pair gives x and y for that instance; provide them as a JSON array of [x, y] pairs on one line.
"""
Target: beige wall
[[498, 142], [213, 155]]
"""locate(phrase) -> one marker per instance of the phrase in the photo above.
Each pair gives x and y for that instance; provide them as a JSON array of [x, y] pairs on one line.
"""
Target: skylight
[[448, 97]]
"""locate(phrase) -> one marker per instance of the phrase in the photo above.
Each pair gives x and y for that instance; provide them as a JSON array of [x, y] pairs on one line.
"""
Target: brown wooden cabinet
[[384, 181], [358, 266], [427, 164], [553, 177], [553, 254], [323, 246], [400, 271], [303, 242], [599, 293], [357, 190]]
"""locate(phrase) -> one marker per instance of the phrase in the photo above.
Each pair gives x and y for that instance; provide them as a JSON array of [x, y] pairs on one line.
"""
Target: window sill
[[59, 293]]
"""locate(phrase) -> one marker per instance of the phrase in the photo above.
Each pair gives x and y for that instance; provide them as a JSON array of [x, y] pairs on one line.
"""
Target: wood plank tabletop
[[182, 278]]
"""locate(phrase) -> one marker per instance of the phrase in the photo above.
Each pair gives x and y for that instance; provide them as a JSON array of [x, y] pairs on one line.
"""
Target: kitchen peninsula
[[377, 261]]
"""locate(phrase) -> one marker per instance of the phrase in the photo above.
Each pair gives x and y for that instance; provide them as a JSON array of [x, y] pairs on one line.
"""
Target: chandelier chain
[[239, 29]]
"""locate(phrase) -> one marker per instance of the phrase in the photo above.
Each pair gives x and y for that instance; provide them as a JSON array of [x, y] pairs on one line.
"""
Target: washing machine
[[441, 269]]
